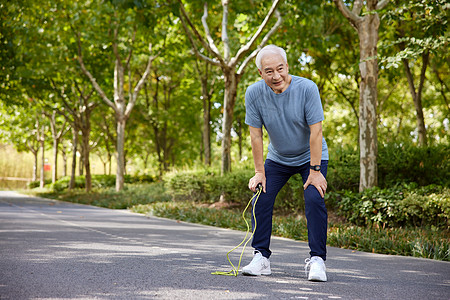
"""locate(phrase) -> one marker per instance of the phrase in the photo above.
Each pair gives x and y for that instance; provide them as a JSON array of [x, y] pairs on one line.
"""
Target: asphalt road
[[57, 250]]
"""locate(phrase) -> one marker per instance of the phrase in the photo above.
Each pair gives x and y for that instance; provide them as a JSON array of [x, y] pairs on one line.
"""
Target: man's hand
[[316, 179], [255, 180]]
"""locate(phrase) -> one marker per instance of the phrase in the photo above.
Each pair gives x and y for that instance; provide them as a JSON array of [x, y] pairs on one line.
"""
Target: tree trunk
[[55, 160], [239, 134], [41, 141], [368, 66], [74, 157], [417, 96], [367, 25], [64, 156], [120, 179], [81, 164], [35, 154], [87, 164], [110, 163], [206, 120], [231, 82]]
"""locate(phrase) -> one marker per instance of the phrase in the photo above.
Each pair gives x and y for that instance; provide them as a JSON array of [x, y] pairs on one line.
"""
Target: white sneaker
[[259, 265], [317, 269]]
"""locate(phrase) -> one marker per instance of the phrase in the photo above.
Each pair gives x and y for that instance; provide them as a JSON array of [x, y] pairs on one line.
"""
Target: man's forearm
[[316, 144], [257, 149], [258, 154]]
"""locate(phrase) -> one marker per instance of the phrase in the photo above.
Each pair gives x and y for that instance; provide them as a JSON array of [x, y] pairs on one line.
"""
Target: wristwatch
[[315, 168]]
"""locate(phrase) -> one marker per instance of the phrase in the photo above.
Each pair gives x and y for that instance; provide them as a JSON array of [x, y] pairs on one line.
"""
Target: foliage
[[407, 163], [108, 197], [419, 26], [418, 242], [396, 164], [98, 181], [402, 205], [207, 185]]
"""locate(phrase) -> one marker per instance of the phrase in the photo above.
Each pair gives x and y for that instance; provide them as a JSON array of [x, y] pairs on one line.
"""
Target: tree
[[366, 25], [419, 33], [121, 104], [229, 65], [57, 135], [78, 104]]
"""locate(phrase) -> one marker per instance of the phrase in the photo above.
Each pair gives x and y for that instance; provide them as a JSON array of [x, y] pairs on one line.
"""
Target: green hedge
[[401, 205]]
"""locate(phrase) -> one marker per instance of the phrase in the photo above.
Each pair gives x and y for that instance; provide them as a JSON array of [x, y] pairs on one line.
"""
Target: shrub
[[396, 164], [98, 181], [35, 184], [343, 170], [402, 205], [208, 186], [408, 163]]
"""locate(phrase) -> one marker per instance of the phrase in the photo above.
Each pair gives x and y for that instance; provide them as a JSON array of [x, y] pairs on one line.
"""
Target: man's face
[[275, 72]]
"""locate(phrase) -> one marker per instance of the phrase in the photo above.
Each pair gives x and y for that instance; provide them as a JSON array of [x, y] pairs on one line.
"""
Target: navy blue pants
[[316, 213]]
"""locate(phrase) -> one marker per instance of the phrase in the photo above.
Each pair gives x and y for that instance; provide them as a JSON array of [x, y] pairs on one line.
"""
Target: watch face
[[315, 168]]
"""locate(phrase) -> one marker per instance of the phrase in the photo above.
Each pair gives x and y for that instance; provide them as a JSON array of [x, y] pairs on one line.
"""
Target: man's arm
[[316, 178], [256, 136]]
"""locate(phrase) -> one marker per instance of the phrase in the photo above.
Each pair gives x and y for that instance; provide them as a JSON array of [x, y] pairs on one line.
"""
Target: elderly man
[[290, 110]]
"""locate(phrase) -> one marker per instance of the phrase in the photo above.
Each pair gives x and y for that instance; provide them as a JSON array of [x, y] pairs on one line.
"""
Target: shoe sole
[[317, 279], [246, 273]]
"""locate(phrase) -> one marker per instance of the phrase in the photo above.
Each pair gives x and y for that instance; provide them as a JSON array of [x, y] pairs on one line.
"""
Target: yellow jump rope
[[235, 271]]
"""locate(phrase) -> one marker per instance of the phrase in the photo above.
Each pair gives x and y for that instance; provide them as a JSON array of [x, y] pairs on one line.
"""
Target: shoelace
[[235, 271], [307, 264]]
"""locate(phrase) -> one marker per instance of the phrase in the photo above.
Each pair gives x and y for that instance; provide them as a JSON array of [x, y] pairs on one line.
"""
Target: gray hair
[[269, 49]]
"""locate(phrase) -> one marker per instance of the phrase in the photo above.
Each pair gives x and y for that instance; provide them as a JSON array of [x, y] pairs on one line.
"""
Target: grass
[[152, 199]]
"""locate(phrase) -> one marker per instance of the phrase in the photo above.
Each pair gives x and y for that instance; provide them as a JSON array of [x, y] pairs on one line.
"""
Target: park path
[[57, 250]]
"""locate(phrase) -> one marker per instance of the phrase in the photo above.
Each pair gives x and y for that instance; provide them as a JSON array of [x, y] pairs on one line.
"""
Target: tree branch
[[194, 47], [425, 61], [409, 77], [352, 17], [382, 4], [89, 75], [118, 69], [226, 45], [262, 44], [140, 84], [198, 35], [357, 6], [244, 49], [207, 32]]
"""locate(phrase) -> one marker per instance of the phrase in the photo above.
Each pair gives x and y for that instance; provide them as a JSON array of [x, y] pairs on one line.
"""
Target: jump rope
[[235, 271]]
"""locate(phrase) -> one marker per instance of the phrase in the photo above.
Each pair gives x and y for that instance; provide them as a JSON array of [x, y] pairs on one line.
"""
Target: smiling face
[[275, 72]]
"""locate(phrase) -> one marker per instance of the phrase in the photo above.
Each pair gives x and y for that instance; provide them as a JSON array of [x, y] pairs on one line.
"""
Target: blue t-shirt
[[286, 117]]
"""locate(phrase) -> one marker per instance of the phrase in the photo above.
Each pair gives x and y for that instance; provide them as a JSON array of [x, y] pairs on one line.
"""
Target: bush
[[402, 205], [35, 184], [396, 164], [408, 163], [343, 170], [207, 186], [98, 181]]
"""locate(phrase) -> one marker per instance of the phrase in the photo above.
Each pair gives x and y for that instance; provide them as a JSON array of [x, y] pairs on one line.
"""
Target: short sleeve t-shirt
[[286, 117]]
